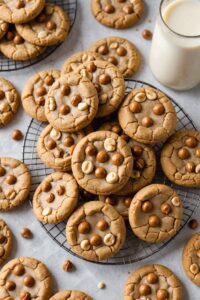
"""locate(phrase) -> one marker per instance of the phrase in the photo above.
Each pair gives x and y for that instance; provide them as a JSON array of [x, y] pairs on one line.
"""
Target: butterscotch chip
[[90, 245], [119, 14], [147, 34], [6, 240], [120, 52], [166, 285], [148, 220], [17, 135], [26, 233], [3, 28], [63, 295], [68, 266], [193, 224]]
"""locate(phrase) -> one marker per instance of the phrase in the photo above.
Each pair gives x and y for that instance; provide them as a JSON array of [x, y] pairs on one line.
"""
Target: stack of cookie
[[28, 27]]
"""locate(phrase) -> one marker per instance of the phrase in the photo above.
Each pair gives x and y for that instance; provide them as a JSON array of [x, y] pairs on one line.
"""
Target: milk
[[175, 52]]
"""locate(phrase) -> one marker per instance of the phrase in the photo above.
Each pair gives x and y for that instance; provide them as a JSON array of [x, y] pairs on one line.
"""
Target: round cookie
[[20, 11], [147, 115], [55, 148], [55, 198], [180, 158], [70, 295], [15, 183], [109, 83], [74, 62], [191, 258], [120, 52], [3, 28], [6, 239], [102, 163], [95, 231], [118, 14], [49, 28], [155, 282], [9, 101], [16, 48], [72, 103], [155, 213], [144, 166], [120, 203], [35, 93], [25, 278]]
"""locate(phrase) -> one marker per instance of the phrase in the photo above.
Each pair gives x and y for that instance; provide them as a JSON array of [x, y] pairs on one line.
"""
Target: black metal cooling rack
[[134, 249], [6, 64]]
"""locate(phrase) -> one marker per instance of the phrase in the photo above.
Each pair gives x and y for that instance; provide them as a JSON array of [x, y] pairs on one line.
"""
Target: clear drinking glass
[[174, 58]]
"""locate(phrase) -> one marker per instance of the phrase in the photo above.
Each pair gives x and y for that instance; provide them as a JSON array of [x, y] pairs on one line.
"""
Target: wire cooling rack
[[133, 249], [6, 64]]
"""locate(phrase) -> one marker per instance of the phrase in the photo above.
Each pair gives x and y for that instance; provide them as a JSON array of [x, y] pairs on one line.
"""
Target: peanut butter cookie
[[155, 213], [96, 231], [70, 295], [147, 115], [3, 28], [6, 239]]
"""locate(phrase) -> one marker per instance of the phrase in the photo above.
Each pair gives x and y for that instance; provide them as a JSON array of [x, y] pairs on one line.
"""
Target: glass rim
[[179, 34]]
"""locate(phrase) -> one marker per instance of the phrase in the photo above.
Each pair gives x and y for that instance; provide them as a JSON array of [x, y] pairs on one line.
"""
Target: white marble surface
[[87, 275]]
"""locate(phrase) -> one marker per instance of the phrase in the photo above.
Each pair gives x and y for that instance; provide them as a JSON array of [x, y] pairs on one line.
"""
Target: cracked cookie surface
[[96, 231], [49, 28], [55, 198], [102, 162], [55, 147], [120, 52], [155, 282], [20, 11], [15, 183], [155, 213], [117, 13], [72, 103], [35, 93], [144, 166], [9, 101], [25, 278], [109, 83], [180, 158], [6, 239], [70, 295], [147, 115], [191, 258]]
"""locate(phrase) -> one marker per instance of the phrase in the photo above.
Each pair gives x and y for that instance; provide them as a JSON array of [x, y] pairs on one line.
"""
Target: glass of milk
[[175, 52]]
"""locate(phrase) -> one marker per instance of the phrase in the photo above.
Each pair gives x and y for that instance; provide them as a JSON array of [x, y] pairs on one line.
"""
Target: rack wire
[[6, 64], [134, 249]]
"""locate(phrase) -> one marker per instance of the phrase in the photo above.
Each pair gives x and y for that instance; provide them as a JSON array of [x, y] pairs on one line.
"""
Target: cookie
[[35, 93], [120, 52], [70, 295], [102, 163], [9, 101], [15, 183], [6, 239], [155, 213], [180, 158], [25, 278], [3, 28], [153, 282], [15, 47], [191, 258], [109, 83], [147, 115], [55, 198], [49, 28], [144, 166], [118, 14], [20, 11], [120, 203], [72, 103], [74, 62], [95, 231]]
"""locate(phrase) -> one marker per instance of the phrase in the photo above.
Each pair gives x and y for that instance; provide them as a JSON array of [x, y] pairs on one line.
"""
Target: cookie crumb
[[147, 34], [17, 135], [101, 285], [193, 224], [68, 266], [26, 233]]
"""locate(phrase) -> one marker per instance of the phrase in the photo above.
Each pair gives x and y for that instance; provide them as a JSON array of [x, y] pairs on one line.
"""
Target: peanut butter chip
[[112, 177], [87, 167], [85, 245], [46, 211], [52, 104], [109, 239], [42, 34], [151, 95], [197, 169], [55, 134], [110, 144], [194, 269], [176, 201], [82, 106], [140, 97]]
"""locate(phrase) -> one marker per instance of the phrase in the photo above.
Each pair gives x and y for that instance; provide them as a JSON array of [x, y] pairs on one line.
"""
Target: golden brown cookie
[[3, 28], [96, 231], [6, 239], [70, 295]]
